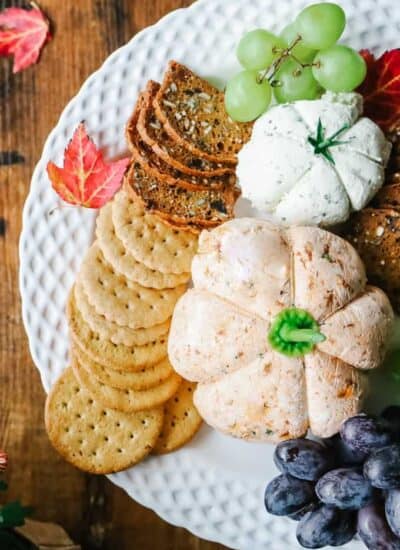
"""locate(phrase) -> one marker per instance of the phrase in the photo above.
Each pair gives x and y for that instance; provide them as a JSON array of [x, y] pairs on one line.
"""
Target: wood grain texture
[[95, 513]]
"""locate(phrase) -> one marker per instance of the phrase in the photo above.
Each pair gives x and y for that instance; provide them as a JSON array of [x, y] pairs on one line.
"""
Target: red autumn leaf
[[23, 34], [381, 88], [86, 179]]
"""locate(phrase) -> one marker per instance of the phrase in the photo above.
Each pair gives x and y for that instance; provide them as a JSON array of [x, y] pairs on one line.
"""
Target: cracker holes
[[118, 424], [106, 438]]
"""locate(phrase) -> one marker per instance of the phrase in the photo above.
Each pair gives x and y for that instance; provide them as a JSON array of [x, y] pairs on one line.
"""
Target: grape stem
[[271, 71]]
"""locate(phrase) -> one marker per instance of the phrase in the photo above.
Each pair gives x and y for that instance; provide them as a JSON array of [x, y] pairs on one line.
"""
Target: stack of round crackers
[[121, 399]]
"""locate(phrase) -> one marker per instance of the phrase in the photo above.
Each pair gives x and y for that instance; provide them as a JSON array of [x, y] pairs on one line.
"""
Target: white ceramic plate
[[214, 486]]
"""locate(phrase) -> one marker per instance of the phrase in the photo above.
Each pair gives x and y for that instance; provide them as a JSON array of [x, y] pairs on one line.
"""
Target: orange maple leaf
[[86, 179], [23, 34]]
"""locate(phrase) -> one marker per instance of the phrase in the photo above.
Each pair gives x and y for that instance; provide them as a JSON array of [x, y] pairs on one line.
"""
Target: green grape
[[339, 69], [295, 83], [256, 50], [321, 25], [289, 35], [246, 98]]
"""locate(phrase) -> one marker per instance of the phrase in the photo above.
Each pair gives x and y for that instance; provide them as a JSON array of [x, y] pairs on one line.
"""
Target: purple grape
[[303, 458], [326, 526], [392, 415], [382, 467], [344, 455], [392, 509], [373, 529], [366, 433], [286, 495], [345, 488]]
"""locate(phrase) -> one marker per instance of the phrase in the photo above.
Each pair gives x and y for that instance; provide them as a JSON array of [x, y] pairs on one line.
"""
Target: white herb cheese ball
[[313, 162]]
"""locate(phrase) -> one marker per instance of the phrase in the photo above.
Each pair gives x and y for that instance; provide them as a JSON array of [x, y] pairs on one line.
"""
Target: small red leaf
[[23, 34], [381, 88], [86, 179]]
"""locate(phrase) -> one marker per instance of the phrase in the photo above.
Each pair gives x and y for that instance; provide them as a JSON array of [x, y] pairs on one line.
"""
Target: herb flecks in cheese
[[313, 162]]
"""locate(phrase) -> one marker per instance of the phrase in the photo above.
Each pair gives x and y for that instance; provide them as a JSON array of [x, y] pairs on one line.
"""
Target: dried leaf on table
[[23, 33]]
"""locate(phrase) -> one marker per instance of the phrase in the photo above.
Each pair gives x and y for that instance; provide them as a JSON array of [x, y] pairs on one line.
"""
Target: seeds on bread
[[203, 125], [153, 134]]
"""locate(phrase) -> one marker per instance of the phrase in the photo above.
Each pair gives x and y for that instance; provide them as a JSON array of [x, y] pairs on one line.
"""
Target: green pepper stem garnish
[[322, 144], [294, 332]]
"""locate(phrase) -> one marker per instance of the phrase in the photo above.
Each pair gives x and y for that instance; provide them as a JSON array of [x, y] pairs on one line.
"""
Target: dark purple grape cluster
[[347, 484]]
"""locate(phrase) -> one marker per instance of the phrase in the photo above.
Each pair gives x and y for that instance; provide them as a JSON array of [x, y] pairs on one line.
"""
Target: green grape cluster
[[299, 64]]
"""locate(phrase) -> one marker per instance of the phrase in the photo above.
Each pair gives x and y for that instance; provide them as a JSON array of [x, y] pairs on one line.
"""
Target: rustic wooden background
[[95, 513]]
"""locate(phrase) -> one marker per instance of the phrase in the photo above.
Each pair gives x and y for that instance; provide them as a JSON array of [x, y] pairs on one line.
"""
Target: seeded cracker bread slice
[[198, 209], [169, 150], [388, 197], [203, 126], [375, 234], [393, 168], [93, 438], [156, 168]]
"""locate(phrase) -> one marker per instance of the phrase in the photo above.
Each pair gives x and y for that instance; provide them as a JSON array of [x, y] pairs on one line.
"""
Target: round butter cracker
[[144, 379], [150, 240], [120, 300], [119, 357], [126, 264], [126, 400], [181, 420], [93, 438], [108, 330]]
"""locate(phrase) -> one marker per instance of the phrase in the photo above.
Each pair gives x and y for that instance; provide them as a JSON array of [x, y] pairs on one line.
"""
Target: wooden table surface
[[94, 512]]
